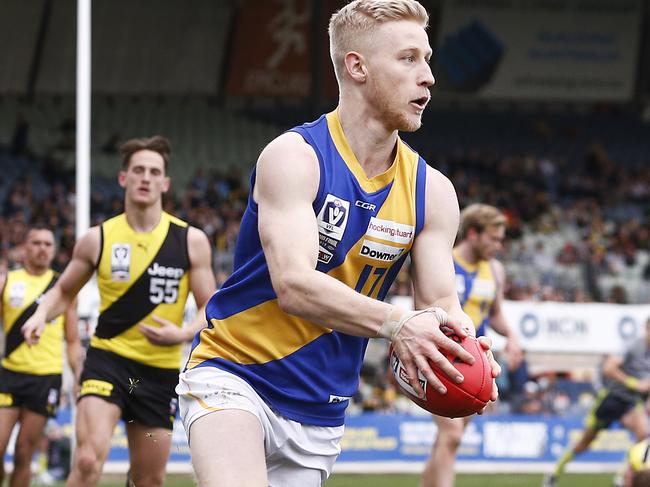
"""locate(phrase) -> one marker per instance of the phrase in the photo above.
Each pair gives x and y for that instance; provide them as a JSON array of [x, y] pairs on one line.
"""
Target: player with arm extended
[[624, 400], [336, 206], [146, 261], [30, 377], [479, 282]]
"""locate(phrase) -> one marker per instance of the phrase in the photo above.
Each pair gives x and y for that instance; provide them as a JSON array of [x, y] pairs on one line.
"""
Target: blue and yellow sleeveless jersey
[[477, 290], [307, 371]]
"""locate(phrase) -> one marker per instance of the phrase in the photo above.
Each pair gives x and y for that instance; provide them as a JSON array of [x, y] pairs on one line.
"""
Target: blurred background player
[[147, 261], [480, 282], [30, 377], [624, 400]]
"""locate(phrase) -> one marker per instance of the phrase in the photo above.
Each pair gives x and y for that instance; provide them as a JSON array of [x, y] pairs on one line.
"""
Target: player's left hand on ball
[[165, 334], [486, 344]]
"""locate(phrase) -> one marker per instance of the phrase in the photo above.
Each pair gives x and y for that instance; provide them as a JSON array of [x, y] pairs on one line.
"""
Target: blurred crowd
[[570, 224]]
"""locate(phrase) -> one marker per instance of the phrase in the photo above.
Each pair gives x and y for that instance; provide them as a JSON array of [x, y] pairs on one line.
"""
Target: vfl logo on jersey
[[390, 231], [17, 294], [121, 262], [332, 220], [333, 216], [377, 251]]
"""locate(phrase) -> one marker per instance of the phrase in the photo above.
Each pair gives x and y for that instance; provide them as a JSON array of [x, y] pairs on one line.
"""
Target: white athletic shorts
[[297, 455]]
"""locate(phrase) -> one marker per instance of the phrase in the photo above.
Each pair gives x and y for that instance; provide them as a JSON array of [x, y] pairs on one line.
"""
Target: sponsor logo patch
[[162, 271], [333, 216], [336, 399], [390, 231], [96, 387], [377, 251], [332, 220], [121, 262], [365, 205], [16, 294]]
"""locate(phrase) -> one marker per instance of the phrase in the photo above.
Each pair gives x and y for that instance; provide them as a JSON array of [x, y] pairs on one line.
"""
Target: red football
[[464, 399]]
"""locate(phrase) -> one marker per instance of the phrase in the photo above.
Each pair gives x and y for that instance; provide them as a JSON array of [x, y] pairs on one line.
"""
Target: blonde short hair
[[479, 217], [360, 17]]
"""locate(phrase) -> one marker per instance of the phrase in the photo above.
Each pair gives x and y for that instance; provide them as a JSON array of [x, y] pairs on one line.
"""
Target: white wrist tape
[[398, 316]]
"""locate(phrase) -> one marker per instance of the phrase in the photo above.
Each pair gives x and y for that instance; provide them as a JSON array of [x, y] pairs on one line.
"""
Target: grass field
[[398, 480]]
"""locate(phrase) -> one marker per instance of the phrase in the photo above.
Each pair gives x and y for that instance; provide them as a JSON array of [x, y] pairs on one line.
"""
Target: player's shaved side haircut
[[479, 217], [360, 17]]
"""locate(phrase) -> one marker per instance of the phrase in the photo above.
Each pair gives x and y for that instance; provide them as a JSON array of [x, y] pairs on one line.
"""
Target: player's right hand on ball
[[420, 342], [33, 328]]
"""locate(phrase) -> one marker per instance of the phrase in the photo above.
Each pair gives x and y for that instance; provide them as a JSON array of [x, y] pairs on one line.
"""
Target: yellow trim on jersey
[[338, 137], [484, 289], [143, 247], [281, 334], [21, 290]]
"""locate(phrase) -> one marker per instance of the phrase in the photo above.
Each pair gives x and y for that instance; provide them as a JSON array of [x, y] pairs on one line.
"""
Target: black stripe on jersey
[[101, 246], [645, 455], [135, 304], [15, 337]]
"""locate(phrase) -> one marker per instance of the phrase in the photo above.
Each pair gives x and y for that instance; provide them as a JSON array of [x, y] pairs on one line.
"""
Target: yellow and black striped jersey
[[20, 298], [140, 274]]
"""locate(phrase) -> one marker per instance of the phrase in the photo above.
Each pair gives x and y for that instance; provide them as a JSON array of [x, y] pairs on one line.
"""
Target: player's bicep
[[433, 267], [82, 265], [286, 184]]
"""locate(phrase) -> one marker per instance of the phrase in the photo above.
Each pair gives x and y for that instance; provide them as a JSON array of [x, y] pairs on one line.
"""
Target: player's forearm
[[499, 324], [53, 304], [322, 299], [196, 325], [73, 353]]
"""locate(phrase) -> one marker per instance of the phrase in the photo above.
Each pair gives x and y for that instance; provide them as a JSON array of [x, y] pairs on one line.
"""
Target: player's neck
[[143, 218], [373, 146], [464, 251], [35, 270]]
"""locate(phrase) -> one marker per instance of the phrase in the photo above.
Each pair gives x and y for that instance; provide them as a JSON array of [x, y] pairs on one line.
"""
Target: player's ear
[[355, 65], [121, 178], [166, 184]]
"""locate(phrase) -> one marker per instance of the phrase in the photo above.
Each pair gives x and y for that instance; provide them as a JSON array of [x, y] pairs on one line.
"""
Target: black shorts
[[609, 408], [38, 393], [145, 394]]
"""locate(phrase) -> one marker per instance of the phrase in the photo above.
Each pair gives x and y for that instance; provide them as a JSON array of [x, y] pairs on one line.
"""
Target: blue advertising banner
[[374, 437]]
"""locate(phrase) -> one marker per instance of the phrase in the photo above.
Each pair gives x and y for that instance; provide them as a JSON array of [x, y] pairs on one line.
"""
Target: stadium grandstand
[[541, 109]]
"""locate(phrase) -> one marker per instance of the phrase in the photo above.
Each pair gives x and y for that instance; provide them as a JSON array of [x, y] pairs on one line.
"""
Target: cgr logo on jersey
[[121, 262], [365, 205], [377, 251]]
